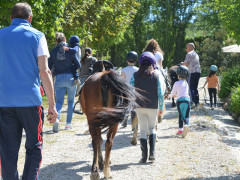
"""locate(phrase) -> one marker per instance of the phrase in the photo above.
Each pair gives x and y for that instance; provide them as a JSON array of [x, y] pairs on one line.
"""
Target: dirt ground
[[211, 150]]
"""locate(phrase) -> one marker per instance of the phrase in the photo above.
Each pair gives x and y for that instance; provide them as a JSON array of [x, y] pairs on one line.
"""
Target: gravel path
[[211, 150]]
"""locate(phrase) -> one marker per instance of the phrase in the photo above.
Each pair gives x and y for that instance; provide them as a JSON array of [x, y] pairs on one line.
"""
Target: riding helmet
[[147, 58], [213, 68], [74, 40], [182, 71], [132, 57]]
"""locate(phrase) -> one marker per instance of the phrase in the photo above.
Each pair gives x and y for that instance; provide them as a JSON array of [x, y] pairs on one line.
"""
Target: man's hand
[[52, 114]]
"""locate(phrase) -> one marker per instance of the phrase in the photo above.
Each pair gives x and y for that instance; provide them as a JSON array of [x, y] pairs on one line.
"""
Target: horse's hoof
[[134, 142], [94, 176], [107, 173]]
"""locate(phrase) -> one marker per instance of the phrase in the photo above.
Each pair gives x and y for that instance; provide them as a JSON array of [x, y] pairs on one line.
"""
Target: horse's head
[[102, 65]]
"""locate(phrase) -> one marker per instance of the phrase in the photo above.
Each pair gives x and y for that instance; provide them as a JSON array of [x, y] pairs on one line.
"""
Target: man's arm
[[46, 77]]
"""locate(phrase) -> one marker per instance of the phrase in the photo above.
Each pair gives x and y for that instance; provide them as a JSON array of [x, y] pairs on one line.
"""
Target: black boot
[[144, 149], [152, 140]]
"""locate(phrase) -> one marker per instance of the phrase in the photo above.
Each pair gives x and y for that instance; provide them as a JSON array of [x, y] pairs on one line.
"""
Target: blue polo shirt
[[19, 74]]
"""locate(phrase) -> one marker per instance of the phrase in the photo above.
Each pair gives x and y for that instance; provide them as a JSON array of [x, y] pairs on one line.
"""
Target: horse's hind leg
[[108, 147], [135, 130], [96, 134], [100, 157]]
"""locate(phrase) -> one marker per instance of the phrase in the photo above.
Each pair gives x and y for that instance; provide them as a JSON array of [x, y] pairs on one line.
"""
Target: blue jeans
[[63, 83]]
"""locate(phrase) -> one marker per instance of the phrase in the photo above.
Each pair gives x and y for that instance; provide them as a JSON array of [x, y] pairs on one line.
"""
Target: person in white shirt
[[127, 73], [181, 92], [193, 64]]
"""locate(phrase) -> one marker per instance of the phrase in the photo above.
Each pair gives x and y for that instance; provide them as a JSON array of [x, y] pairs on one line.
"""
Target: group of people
[[24, 68], [149, 81]]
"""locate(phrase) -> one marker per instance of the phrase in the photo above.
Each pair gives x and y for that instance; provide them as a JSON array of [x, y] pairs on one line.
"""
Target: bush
[[235, 100], [229, 80]]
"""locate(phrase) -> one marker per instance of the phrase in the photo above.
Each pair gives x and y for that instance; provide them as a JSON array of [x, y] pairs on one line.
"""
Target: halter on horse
[[105, 98]]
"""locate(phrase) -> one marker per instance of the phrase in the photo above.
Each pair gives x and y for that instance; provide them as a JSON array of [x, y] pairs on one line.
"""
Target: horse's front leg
[[96, 134], [108, 147]]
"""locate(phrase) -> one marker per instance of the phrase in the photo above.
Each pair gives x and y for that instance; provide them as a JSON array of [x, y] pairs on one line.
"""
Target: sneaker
[[55, 126], [185, 131], [68, 126], [179, 132], [76, 82]]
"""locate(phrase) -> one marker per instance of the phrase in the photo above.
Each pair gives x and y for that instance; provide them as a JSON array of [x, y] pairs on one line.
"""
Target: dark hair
[[88, 52], [60, 37], [145, 70], [153, 47], [21, 10], [211, 73]]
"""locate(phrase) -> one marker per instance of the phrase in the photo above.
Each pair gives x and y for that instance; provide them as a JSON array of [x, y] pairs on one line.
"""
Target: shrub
[[229, 80], [235, 100]]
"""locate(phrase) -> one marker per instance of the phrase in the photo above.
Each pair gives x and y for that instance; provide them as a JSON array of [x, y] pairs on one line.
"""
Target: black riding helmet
[[132, 57], [182, 71]]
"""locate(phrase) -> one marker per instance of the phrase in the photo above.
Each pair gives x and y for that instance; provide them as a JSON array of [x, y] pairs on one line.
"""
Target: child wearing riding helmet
[[74, 49], [127, 73], [213, 85], [148, 84], [180, 91]]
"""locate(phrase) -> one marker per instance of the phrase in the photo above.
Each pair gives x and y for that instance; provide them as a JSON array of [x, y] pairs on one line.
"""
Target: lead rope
[[103, 67]]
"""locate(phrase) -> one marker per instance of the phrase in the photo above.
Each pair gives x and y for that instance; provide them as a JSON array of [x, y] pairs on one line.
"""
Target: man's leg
[[194, 79], [10, 140], [32, 120]]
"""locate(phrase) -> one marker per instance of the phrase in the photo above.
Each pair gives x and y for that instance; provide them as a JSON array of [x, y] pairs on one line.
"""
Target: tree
[[101, 23], [47, 15], [229, 16]]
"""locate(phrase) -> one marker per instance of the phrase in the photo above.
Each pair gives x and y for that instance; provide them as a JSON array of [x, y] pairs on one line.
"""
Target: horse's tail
[[124, 100]]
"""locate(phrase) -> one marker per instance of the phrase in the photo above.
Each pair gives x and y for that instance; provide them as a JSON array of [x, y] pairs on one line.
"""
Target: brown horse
[[105, 98]]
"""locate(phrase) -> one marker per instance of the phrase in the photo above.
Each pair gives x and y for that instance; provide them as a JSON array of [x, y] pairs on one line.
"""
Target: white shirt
[[192, 61], [43, 47], [129, 71], [159, 57], [181, 89]]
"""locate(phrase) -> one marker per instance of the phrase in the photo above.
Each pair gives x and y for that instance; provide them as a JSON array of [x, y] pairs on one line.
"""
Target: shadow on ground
[[62, 171]]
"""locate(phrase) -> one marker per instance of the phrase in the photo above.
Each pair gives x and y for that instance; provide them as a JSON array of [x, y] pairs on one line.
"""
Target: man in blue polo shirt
[[21, 67]]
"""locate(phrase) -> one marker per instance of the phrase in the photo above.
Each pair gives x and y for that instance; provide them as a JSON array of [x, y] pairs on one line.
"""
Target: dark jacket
[[59, 63], [148, 88]]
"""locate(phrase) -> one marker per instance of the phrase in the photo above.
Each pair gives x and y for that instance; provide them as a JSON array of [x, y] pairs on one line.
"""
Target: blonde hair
[[60, 37]]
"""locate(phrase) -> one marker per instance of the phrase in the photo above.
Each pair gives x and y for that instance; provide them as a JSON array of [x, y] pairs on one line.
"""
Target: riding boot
[[152, 140], [144, 149]]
